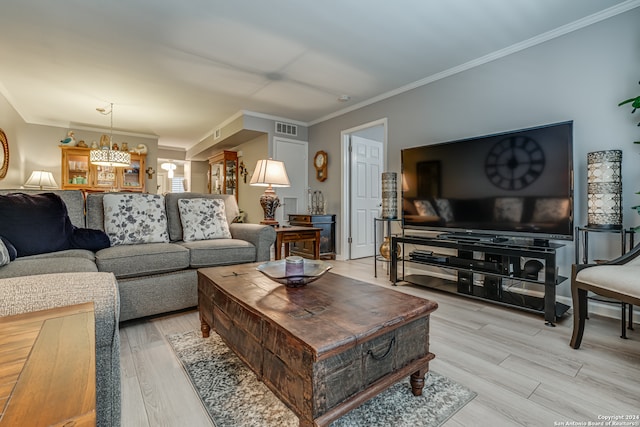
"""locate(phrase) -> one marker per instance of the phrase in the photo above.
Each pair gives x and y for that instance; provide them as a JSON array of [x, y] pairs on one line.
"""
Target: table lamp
[[41, 180], [270, 173]]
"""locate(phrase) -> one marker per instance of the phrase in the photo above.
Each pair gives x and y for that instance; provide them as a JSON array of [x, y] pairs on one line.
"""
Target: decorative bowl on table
[[294, 271]]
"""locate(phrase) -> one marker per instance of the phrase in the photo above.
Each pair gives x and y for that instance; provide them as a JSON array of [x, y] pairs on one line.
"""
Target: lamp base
[[269, 202]]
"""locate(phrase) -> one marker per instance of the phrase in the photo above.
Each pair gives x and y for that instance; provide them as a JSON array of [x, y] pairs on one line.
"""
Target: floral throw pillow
[[135, 218], [4, 254], [203, 219]]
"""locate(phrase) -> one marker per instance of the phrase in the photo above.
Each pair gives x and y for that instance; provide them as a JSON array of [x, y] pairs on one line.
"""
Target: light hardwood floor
[[525, 373]]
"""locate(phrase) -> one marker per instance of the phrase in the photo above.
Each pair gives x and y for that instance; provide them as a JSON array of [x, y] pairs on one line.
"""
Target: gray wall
[[580, 76]]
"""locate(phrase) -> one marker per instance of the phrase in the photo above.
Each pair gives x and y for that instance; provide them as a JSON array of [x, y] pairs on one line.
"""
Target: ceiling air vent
[[286, 129], [216, 134]]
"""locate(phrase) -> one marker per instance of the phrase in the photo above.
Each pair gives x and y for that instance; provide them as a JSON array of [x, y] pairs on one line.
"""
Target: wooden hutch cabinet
[[223, 173], [79, 174]]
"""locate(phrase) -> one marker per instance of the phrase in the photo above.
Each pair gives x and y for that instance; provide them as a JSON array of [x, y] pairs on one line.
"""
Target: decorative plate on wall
[[4, 154]]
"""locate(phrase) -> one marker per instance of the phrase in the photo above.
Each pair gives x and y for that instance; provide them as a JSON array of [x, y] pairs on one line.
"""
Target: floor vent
[[286, 129]]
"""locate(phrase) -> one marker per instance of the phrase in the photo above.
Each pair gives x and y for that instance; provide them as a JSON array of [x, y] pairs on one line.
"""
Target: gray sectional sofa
[[152, 278], [125, 281]]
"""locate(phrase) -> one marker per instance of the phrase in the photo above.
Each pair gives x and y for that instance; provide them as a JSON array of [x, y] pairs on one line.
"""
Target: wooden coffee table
[[323, 349]]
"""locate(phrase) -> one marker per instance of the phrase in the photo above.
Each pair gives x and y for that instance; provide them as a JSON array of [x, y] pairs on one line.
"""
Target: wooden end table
[[294, 233], [324, 348], [49, 367]]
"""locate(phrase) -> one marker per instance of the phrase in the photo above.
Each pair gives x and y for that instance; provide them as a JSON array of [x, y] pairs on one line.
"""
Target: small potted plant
[[635, 103]]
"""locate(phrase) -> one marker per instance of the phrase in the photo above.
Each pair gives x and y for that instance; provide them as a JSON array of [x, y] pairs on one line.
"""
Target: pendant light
[[109, 156]]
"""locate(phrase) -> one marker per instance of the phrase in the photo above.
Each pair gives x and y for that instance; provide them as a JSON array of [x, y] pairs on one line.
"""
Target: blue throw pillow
[[35, 223], [88, 238]]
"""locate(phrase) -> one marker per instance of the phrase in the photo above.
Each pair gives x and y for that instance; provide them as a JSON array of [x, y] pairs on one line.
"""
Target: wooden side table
[[49, 367], [287, 235]]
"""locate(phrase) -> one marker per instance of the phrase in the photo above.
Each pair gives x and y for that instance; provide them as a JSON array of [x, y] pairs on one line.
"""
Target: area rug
[[234, 396]]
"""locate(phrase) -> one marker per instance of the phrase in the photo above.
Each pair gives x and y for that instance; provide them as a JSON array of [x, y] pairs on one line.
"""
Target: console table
[[48, 359]]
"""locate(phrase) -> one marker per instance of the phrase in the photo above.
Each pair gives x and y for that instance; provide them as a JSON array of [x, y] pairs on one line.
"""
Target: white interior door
[[295, 156], [367, 162]]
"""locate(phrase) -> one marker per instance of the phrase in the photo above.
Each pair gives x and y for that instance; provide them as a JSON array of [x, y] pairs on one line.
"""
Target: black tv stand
[[485, 269]]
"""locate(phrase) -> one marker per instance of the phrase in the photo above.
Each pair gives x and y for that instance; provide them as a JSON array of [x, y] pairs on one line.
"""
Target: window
[[177, 184]]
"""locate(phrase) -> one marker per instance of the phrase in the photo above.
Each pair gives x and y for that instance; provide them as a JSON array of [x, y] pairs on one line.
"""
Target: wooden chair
[[618, 279]]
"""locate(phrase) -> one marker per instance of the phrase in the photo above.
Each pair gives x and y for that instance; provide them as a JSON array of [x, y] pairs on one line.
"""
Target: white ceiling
[[178, 69]]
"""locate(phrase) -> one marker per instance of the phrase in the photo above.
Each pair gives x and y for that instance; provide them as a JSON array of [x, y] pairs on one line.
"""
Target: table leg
[[287, 249], [417, 381], [316, 246], [204, 327], [278, 247]]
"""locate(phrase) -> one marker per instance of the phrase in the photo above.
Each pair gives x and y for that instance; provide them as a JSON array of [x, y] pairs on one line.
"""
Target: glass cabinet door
[[75, 168], [223, 173], [230, 177], [106, 177], [131, 176]]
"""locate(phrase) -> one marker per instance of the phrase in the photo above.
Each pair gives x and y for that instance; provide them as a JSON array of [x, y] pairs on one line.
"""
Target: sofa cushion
[[36, 264], [35, 223], [142, 260], [133, 218], [203, 219], [209, 253], [173, 212]]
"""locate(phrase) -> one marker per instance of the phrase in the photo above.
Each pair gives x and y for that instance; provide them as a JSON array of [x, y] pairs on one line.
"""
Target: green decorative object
[[635, 103]]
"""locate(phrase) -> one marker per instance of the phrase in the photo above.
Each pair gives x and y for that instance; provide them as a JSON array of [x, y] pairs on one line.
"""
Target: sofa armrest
[[261, 236], [40, 292]]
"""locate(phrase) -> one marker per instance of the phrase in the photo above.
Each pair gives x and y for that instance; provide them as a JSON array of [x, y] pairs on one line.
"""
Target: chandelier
[[109, 156]]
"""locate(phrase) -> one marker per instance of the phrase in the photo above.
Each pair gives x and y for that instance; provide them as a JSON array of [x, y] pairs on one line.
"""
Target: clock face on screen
[[514, 162]]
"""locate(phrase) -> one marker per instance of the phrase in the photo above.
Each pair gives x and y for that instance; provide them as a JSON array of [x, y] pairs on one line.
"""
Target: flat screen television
[[517, 183]]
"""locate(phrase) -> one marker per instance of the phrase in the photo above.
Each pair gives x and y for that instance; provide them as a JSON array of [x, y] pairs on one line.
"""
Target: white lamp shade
[[41, 179], [169, 167], [270, 173], [113, 158]]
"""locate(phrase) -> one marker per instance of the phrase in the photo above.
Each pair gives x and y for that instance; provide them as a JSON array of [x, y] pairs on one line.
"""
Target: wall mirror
[[4, 154]]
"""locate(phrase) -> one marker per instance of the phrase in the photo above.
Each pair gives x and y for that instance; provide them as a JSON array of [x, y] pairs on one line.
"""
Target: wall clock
[[320, 163], [514, 162], [4, 154]]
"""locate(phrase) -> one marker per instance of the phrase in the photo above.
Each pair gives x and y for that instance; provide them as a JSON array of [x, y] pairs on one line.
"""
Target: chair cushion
[[622, 279]]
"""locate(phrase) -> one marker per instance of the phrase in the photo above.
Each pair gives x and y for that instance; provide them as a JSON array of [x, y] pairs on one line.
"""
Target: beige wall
[[249, 196], [33, 147]]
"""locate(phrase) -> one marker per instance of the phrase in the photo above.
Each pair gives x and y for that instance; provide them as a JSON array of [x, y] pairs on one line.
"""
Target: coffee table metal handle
[[374, 357]]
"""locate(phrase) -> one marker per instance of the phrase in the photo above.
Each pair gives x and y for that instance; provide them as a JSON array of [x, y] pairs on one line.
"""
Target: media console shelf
[[487, 269]]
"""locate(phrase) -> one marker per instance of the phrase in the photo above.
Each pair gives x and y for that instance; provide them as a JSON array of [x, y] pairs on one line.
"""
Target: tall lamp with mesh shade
[[270, 173]]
